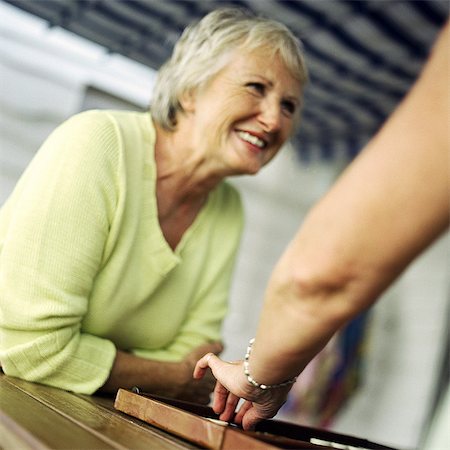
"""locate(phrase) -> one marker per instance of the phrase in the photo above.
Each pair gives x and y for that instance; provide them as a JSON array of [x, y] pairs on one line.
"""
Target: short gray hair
[[201, 52]]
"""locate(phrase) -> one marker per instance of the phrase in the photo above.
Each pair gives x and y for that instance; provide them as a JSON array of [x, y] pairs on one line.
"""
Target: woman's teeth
[[252, 139]]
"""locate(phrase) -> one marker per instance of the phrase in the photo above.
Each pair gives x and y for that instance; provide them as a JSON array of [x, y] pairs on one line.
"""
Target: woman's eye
[[288, 106], [257, 87]]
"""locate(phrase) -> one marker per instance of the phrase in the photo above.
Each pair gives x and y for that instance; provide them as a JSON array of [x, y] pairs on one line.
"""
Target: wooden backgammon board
[[199, 425]]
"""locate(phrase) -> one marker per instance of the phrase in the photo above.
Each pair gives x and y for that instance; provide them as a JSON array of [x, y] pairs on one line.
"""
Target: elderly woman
[[117, 245]]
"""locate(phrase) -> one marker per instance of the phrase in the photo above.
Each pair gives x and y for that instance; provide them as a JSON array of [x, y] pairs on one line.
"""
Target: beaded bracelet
[[253, 381]]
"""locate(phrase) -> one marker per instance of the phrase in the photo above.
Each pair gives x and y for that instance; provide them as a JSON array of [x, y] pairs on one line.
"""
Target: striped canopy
[[362, 55]]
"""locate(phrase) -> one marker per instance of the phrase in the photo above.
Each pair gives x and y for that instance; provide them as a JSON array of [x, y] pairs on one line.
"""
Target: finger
[[220, 398], [250, 419], [242, 411], [230, 408], [202, 365], [216, 365]]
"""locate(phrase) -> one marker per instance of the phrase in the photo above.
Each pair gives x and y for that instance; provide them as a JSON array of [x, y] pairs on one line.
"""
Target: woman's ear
[[187, 100]]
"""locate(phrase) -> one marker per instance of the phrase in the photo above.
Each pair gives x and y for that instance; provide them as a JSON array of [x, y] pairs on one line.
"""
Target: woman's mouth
[[252, 139]]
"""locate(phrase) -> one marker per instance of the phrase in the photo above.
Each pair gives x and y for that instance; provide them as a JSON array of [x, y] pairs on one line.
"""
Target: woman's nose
[[270, 116]]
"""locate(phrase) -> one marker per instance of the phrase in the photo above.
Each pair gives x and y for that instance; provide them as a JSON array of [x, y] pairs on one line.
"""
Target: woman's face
[[245, 114]]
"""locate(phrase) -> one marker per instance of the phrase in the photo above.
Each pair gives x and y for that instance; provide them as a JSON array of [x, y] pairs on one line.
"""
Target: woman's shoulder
[[94, 118], [86, 125], [95, 129]]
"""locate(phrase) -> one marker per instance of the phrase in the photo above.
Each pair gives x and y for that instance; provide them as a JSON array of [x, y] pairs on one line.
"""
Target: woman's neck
[[184, 177], [182, 173]]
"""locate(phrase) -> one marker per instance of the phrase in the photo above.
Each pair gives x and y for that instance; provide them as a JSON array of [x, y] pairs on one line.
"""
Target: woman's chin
[[253, 171], [249, 167], [248, 171]]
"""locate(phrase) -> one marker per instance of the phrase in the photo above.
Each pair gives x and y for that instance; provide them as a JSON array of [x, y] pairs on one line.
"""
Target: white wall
[[44, 74]]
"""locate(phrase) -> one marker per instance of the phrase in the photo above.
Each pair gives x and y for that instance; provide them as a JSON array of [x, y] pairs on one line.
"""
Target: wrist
[[256, 384], [251, 392]]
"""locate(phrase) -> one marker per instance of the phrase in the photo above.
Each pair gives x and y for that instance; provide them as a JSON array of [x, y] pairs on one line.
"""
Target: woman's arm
[[387, 207], [52, 230], [169, 379], [390, 204]]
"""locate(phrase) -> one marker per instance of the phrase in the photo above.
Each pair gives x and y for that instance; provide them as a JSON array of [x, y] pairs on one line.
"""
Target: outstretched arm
[[386, 208]]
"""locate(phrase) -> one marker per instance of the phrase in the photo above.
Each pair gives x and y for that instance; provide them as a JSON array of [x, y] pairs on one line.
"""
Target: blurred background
[[383, 376]]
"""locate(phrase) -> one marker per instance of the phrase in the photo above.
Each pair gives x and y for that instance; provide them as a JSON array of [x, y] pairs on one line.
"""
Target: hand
[[198, 390], [232, 385]]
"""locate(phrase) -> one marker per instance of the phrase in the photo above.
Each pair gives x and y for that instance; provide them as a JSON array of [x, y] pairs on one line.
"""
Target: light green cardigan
[[84, 266]]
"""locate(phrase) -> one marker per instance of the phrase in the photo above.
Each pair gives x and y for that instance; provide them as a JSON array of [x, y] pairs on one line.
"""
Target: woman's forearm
[[168, 379], [386, 208], [163, 378], [298, 318]]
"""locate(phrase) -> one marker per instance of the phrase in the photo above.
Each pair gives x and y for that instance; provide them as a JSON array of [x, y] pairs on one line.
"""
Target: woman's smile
[[255, 141], [246, 113]]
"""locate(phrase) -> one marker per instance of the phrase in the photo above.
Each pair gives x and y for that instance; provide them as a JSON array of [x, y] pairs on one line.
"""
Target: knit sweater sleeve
[[57, 222]]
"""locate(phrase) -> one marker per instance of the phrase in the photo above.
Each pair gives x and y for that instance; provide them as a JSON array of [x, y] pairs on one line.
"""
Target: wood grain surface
[[34, 416]]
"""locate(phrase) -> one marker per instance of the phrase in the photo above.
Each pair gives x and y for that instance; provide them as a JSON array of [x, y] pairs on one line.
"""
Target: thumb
[[208, 360]]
